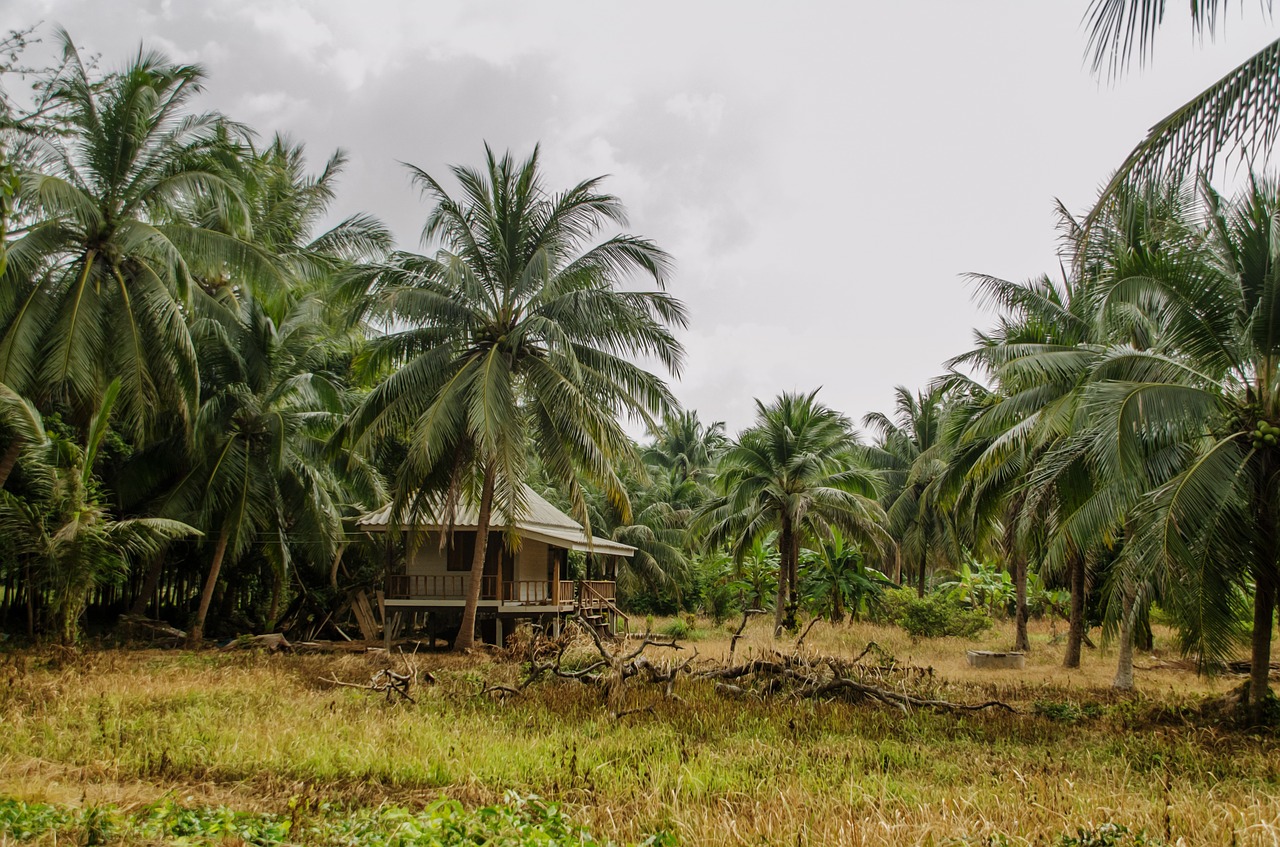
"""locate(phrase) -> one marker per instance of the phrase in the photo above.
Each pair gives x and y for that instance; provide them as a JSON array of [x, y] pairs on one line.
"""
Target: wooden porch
[[451, 589]]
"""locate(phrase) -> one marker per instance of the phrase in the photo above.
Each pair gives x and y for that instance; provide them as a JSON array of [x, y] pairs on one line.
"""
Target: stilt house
[[427, 581]]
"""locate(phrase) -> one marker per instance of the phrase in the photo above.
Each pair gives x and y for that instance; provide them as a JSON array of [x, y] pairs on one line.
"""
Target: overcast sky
[[823, 173]]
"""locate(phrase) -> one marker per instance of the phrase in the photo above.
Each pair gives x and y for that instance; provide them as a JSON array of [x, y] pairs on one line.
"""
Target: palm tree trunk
[[1124, 663], [1143, 637], [1075, 634], [920, 578], [781, 603], [784, 574], [206, 596], [277, 586], [69, 619], [793, 581], [1021, 642], [31, 600], [1264, 605], [337, 563], [467, 631], [140, 603]]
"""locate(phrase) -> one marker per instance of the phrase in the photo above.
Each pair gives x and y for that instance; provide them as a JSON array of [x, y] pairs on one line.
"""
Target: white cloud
[[290, 25], [822, 172]]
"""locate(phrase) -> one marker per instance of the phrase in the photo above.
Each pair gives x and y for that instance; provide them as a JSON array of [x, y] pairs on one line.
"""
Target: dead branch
[[272, 641], [805, 634], [394, 686], [895, 698], [504, 690], [138, 626], [666, 674], [871, 645], [537, 669], [733, 642], [807, 678]]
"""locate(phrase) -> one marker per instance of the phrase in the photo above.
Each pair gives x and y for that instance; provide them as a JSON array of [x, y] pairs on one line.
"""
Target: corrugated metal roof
[[543, 521]]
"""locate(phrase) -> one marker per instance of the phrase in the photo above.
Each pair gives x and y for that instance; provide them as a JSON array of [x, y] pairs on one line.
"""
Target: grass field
[[263, 734]]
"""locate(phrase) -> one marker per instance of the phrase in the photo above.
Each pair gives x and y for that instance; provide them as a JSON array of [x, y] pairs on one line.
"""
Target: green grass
[[445, 823], [255, 733]]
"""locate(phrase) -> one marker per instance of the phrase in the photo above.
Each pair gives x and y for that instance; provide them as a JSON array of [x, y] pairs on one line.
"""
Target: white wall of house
[[428, 558], [531, 564]]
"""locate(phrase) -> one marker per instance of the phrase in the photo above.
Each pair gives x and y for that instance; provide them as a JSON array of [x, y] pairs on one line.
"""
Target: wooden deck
[[451, 590]]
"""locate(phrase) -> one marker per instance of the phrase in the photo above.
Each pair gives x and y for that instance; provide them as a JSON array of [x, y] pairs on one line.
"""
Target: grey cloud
[[822, 172]]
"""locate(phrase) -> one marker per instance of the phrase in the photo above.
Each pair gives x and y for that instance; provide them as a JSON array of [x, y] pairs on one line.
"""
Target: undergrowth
[[249, 732], [517, 822]]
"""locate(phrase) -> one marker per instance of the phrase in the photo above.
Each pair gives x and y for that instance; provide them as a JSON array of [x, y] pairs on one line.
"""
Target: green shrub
[[677, 628], [893, 604], [932, 616], [1066, 711]]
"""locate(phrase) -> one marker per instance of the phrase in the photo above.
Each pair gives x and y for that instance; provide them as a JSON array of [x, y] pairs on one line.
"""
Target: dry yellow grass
[[251, 731]]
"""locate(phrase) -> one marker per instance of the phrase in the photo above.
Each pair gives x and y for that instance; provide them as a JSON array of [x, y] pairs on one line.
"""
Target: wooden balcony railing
[[602, 589], [448, 587], [529, 592], [598, 596]]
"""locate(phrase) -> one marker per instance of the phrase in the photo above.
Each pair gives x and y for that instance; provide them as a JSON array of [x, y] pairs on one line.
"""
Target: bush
[[675, 629], [932, 616], [1067, 711]]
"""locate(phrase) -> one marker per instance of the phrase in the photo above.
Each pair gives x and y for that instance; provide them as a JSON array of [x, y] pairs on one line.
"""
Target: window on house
[[462, 549]]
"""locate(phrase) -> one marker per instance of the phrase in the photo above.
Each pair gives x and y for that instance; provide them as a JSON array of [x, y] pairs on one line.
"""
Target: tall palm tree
[[795, 472], [96, 285], [286, 206], [913, 455], [1037, 358], [515, 333], [264, 475], [684, 447], [1199, 409], [1024, 449]]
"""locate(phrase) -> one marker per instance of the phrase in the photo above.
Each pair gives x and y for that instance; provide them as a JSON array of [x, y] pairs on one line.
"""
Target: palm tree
[[1240, 113], [264, 475], [96, 284], [515, 334], [68, 534], [913, 456], [286, 205], [795, 472], [1200, 408], [1023, 451], [684, 447], [1038, 357]]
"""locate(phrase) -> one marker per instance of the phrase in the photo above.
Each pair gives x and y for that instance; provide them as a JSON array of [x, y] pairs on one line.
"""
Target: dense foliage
[[201, 388]]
